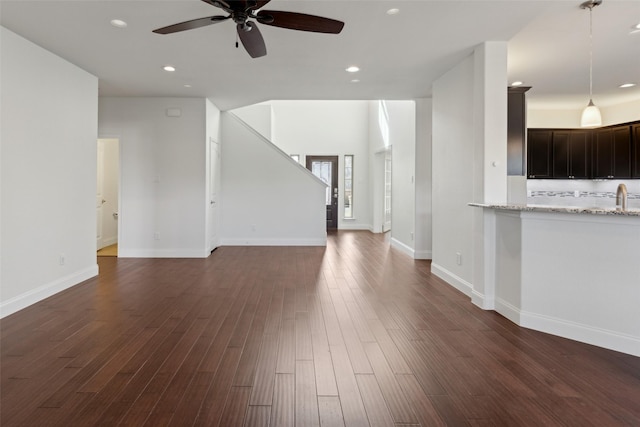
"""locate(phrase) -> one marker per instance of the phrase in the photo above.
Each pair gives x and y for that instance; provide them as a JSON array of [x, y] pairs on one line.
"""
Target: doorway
[[382, 190], [386, 215], [326, 168], [214, 189], [107, 196]]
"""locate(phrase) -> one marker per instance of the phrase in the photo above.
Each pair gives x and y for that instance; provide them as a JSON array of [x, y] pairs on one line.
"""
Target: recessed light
[[353, 69], [517, 83], [169, 68], [187, 85], [119, 23], [626, 85], [393, 11], [355, 81], [635, 29]]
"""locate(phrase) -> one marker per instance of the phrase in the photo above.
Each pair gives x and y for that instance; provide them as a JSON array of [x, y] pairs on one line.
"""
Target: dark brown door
[[326, 168]]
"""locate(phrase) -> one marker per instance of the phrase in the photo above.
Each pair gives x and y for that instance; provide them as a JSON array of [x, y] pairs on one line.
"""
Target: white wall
[[570, 118], [453, 165], [329, 128], [267, 198], [402, 135], [260, 117], [469, 164], [48, 173], [163, 174], [352, 127]]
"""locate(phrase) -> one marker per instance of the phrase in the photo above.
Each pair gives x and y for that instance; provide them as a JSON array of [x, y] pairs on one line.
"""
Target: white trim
[[423, 255], [273, 242], [110, 241], [582, 333], [277, 149], [508, 310], [451, 279], [347, 226], [482, 301], [162, 253], [47, 290], [395, 243]]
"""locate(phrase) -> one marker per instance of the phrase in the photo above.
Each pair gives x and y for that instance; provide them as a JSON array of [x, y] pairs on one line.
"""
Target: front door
[[326, 168]]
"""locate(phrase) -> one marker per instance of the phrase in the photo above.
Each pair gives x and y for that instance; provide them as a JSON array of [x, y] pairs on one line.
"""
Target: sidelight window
[[348, 186]]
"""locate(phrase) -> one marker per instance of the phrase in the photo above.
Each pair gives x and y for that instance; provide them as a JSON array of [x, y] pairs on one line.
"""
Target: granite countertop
[[560, 209]]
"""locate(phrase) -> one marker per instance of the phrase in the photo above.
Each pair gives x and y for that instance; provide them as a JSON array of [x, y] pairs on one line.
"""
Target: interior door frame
[[335, 191], [213, 196], [120, 184]]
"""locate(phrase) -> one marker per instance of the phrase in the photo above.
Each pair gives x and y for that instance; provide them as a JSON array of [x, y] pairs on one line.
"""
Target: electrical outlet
[[253, 227], [156, 235], [576, 193], [458, 258], [412, 236], [61, 259]]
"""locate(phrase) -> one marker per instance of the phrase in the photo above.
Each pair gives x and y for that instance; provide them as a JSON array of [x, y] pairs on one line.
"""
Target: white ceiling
[[399, 55]]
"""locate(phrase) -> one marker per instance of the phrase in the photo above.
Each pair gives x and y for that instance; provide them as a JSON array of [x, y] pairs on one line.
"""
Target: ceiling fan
[[241, 11]]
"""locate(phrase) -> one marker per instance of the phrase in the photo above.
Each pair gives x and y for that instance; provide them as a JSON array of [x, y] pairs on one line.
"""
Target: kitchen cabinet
[[635, 151], [612, 152], [539, 150], [571, 154]]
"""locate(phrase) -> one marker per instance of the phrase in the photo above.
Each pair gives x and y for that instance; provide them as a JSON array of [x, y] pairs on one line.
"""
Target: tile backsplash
[[583, 193]]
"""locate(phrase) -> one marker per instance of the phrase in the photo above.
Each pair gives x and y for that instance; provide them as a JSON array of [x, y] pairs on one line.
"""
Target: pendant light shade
[[591, 116]]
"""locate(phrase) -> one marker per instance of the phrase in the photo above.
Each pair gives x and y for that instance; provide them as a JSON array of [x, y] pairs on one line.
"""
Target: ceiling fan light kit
[[591, 116], [241, 11]]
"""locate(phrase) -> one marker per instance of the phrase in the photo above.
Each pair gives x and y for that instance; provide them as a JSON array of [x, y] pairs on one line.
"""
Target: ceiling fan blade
[[252, 39], [256, 4], [223, 4], [299, 21], [190, 25]]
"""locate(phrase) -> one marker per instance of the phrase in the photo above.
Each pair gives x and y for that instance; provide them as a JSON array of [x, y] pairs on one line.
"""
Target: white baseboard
[[47, 290], [423, 255], [551, 325], [110, 241], [395, 243], [162, 253], [482, 301], [347, 226], [508, 310], [583, 333], [453, 280], [274, 242]]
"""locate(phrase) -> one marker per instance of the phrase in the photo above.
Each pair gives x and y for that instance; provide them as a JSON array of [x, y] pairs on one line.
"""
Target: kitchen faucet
[[621, 197]]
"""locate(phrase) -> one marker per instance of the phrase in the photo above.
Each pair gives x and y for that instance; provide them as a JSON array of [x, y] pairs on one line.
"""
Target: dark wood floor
[[355, 334]]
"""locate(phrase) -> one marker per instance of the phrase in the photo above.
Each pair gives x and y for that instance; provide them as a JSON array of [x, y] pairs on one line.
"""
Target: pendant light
[[591, 116]]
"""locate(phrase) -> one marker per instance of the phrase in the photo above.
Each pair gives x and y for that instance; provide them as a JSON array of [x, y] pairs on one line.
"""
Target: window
[[295, 157], [383, 122], [348, 186]]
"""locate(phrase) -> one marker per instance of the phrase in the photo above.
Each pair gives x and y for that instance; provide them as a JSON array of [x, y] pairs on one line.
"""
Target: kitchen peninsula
[[568, 271]]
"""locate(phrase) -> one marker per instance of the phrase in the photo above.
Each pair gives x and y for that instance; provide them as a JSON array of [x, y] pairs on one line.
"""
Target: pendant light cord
[[591, 52]]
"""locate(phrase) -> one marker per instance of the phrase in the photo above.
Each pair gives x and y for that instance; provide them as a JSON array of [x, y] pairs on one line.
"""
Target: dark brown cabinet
[[635, 151], [539, 149], [571, 154], [612, 152]]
